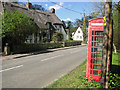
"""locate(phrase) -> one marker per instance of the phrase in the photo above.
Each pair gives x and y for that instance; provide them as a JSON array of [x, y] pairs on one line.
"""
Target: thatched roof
[[40, 17], [1, 8]]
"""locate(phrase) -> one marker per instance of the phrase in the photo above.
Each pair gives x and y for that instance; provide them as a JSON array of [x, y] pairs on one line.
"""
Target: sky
[[65, 14]]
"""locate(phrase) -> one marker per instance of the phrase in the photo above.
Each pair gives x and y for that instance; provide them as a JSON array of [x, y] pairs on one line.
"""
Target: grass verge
[[77, 77], [116, 63]]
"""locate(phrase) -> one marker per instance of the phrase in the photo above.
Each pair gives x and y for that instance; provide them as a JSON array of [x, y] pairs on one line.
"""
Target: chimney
[[29, 5], [52, 10]]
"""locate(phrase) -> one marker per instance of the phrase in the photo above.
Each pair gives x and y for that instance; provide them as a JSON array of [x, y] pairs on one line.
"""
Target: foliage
[[73, 29], [0, 26], [68, 40], [16, 26], [44, 39], [114, 80], [78, 22], [116, 25], [29, 47], [98, 9], [69, 24], [64, 24], [57, 37], [114, 74]]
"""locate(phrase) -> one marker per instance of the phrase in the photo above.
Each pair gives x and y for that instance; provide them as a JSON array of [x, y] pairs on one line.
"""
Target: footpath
[[9, 57]]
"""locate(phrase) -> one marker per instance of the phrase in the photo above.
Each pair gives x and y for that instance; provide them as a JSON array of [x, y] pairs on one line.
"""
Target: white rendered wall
[[78, 36]]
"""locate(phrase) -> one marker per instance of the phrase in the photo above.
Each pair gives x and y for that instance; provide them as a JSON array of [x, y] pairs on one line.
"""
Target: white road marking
[[11, 68], [74, 52], [51, 57]]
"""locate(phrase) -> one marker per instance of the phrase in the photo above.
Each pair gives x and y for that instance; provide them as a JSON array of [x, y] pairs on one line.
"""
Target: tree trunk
[[107, 46]]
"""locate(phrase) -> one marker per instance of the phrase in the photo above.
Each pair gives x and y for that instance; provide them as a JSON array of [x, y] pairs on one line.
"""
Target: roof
[[40, 17], [95, 19], [1, 9]]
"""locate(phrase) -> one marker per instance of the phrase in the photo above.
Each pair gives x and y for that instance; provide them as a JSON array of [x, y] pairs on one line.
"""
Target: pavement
[[41, 70], [10, 57]]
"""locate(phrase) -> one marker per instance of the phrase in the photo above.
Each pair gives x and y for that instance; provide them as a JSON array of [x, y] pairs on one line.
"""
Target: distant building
[[47, 21], [78, 35]]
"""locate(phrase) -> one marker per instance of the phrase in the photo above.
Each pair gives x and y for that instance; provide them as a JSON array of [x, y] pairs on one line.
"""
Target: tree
[[64, 24], [78, 22], [116, 25], [107, 46], [98, 8], [86, 19], [99, 12], [69, 24], [16, 26], [73, 29]]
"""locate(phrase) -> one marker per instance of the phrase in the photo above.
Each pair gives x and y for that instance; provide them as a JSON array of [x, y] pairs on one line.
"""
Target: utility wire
[[65, 7]]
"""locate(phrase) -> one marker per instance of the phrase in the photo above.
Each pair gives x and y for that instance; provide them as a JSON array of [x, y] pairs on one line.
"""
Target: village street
[[40, 70]]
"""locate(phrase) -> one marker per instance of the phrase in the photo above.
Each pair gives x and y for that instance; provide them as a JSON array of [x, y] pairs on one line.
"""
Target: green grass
[[77, 77], [116, 63], [116, 58]]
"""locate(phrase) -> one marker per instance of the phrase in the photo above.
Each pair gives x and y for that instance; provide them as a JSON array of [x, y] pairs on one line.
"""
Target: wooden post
[[7, 49], [107, 46]]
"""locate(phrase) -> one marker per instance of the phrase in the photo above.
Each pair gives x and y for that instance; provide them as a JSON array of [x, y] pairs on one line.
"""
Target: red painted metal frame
[[90, 29]]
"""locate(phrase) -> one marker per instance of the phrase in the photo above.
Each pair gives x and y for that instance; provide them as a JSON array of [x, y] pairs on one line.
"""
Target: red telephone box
[[94, 54]]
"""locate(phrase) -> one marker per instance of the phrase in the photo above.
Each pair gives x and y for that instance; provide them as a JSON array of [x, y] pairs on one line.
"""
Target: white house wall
[[78, 36]]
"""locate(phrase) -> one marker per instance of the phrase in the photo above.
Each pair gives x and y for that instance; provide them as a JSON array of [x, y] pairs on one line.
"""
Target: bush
[[57, 37], [114, 80], [45, 39]]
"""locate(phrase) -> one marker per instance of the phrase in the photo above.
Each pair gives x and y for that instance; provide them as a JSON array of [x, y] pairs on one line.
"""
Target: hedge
[[26, 48]]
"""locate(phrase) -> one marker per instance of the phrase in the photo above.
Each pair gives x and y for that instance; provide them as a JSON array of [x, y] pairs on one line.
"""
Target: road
[[38, 71]]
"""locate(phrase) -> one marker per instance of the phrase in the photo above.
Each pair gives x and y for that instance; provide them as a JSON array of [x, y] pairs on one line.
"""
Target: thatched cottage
[[47, 21]]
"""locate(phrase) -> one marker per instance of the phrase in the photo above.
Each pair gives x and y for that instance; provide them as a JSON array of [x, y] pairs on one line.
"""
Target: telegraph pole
[[84, 27], [107, 45]]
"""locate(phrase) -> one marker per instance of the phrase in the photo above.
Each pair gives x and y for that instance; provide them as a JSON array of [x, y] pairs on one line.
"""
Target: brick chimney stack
[[29, 5], [52, 10]]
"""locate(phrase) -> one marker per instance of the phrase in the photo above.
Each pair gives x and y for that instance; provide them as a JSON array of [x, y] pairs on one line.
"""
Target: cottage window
[[60, 26], [77, 36], [78, 31], [80, 37]]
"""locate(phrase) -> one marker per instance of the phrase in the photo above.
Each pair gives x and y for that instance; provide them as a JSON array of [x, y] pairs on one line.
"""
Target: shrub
[[114, 80], [57, 37], [45, 39]]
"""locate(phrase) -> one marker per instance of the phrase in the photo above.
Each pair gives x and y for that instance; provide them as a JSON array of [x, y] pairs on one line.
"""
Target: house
[[47, 21], [78, 35]]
